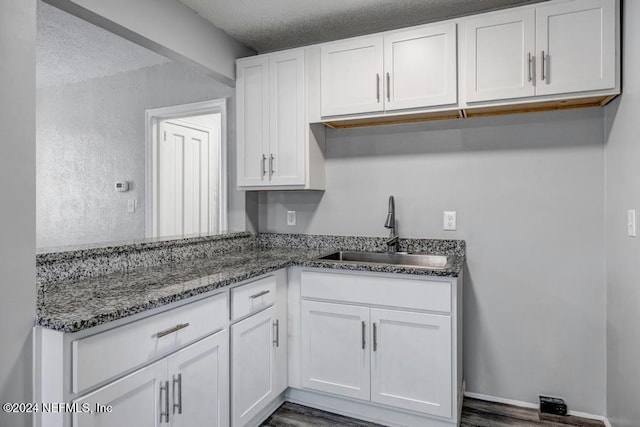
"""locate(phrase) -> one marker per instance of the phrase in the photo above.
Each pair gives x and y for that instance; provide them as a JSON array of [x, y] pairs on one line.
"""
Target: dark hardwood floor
[[475, 413]]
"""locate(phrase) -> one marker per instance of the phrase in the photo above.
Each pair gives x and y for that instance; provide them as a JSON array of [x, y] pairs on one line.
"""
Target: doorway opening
[[186, 163]]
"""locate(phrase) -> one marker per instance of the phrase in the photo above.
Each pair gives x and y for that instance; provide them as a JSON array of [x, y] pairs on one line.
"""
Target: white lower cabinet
[[126, 396], [188, 388], [335, 348], [258, 350], [389, 343], [392, 357], [198, 380], [411, 361]]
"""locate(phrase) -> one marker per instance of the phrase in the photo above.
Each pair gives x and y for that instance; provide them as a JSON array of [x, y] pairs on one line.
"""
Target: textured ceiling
[[266, 25], [71, 50]]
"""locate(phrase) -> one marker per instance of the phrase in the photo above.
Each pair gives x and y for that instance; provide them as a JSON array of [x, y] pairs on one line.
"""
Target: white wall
[[623, 253], [92, 134], [528, 190], [167, 27], [17, 196]]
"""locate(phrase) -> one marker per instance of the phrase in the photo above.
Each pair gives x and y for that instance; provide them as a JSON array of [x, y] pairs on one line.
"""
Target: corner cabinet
[[383, 342], [555, 48], [399, 70], [277, 148]]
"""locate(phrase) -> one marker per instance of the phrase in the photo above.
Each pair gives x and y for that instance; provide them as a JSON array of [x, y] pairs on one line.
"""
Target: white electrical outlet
[[291, 218], [631, 222], [449, 222]]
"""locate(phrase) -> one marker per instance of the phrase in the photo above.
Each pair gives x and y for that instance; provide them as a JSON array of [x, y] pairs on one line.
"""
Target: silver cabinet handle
[[164, 413], [272, 168], [178, 405], [264, 165], [364, 328], [375, 337], [388, 87], [171, 330], [544, 66], [529, 64], [276, 340], [259, 294], [377, 87]]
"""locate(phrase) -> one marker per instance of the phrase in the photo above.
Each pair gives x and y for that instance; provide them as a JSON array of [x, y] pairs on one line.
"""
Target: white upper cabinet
[[555, 54], [577, 46], [500, 49], [276, 147], [271, 149], [398, 70], [287, 100], [420, 67], [560, 48], [352, 76], [253, 120]]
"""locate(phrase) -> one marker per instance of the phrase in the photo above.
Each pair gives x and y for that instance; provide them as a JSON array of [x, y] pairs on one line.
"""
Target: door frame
[[152, 118]]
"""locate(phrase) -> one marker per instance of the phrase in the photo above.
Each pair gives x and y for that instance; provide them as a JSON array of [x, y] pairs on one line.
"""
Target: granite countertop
[[72, 306]]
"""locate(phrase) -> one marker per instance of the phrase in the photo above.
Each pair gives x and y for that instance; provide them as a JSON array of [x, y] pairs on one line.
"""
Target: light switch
[[449, 222], [131, 205], [631, 222]]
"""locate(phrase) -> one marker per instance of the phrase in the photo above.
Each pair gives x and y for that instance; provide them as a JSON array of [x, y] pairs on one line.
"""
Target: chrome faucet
[[393, 240]]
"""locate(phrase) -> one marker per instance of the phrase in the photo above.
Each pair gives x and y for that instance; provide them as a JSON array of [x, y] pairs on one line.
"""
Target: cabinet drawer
[[387, 290], [252, 297], [108, 354]]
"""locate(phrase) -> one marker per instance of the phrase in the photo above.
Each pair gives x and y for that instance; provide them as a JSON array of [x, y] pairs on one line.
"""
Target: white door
[[252, 90], [199, 383], [335, 348], [411, 361], [500, 56], [252, 365], [420, 67], [287, 119], [135, 400], [351, 76], [578, 44], [187, 179]]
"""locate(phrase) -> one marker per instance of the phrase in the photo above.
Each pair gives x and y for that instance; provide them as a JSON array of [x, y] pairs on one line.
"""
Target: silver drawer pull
[[171, 330], [259, 294]]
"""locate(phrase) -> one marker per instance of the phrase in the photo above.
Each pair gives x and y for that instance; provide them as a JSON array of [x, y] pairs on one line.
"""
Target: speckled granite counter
[[74, 305]]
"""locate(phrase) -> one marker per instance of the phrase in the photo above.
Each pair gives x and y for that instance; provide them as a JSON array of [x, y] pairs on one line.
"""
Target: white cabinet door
[[351, 76], [281, 340], [577, 41], [199, 383], [411, 361], [253, 121], [287, 118], [252, 365], [500, 55], [335, 348], [136, 400], [420, 67]]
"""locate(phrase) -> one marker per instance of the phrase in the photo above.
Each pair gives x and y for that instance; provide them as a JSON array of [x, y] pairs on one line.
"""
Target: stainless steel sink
[[436, 262]]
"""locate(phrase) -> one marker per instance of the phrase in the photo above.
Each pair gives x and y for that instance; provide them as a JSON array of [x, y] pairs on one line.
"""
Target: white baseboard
[[522, 404]]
